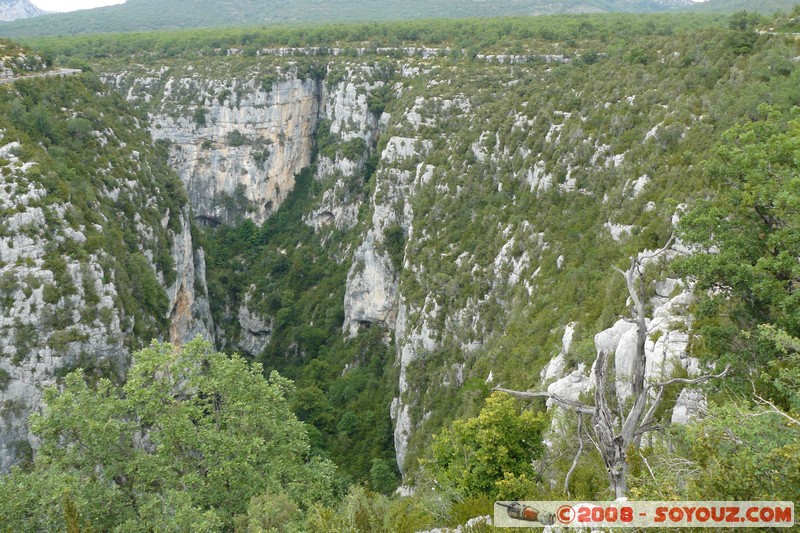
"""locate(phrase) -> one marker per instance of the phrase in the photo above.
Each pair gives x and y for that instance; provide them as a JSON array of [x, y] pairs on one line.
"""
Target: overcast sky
[[72, 5]]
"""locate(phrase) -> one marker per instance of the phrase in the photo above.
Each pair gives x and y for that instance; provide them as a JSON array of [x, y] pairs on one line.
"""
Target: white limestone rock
[[256, 332], [555, 368], [345, 106], [572, 386], [18, 9], [691, 404], [249, 144], [190, 312], [618, 231], [41, 337], [371, 287]]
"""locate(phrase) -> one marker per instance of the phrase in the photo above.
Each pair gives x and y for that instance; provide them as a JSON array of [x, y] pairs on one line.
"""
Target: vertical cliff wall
[[96, 253], [236, 143]]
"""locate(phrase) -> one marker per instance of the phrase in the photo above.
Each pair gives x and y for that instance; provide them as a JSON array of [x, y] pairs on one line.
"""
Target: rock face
[[18, 9], [256, 332], [555, 368], [16, 61], [461, 210], [239, 147], [665, 351], [690, 404], [34, 347], [190, 313], [371, 295], [349, 120], [69, 297]]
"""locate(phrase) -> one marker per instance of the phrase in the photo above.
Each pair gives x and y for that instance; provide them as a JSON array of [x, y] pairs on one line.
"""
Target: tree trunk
[[617, 466], [612, 446]]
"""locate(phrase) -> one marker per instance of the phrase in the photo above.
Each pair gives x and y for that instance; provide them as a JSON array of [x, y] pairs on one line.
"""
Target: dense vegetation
[[686, 110], [14, 61], [139, 15], [195, 440], [746, 317], [297, 280], [55, 124], [466, 36]]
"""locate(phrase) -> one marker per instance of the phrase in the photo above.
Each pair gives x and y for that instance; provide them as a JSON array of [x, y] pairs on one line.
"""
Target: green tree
[[187, 444], [360, 511], [749, 310], [743, 451], [474, 455], [395, 242], [752, 226]]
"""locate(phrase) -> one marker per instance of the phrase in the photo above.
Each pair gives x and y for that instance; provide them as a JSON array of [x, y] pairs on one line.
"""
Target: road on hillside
[[62, 72]]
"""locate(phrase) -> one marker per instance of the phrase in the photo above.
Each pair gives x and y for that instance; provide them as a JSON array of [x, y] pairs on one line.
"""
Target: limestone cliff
[[239, 142], [44, 333], [475, 202], [189, 311], [86, 276], [347, 117]]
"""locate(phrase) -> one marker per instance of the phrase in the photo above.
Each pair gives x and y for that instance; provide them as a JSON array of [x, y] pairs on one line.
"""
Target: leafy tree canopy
[[749, 311], [476, 455], [751, 227], [195, 440]]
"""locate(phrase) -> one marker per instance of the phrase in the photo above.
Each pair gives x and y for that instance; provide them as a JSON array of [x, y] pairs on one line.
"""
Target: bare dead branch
[[661, 250], [688, 381], [566, 402], [647, 465], [774, 408], [614, 433], [646, 429], [577, 455], [648, 417], [624, 274], [548, 465]]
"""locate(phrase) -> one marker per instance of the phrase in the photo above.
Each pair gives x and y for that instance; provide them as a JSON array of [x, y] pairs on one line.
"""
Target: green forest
[[143, 15], [542, 156]]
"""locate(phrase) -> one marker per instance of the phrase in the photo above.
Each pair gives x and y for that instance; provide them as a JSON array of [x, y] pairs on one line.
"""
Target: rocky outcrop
[[189, 309], [665, 351], [241, 142], [256, 331], [555, 368], [62, 305], [42, 331], [371, 294], [239, 147], [16, 61], [347, 115], [691, 404], [18, 9]]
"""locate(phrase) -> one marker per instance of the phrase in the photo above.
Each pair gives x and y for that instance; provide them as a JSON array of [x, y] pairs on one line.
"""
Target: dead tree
[[617, 431]]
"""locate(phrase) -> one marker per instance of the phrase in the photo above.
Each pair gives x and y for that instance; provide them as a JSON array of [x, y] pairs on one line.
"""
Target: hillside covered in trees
[[143, 15], [388, 222]]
